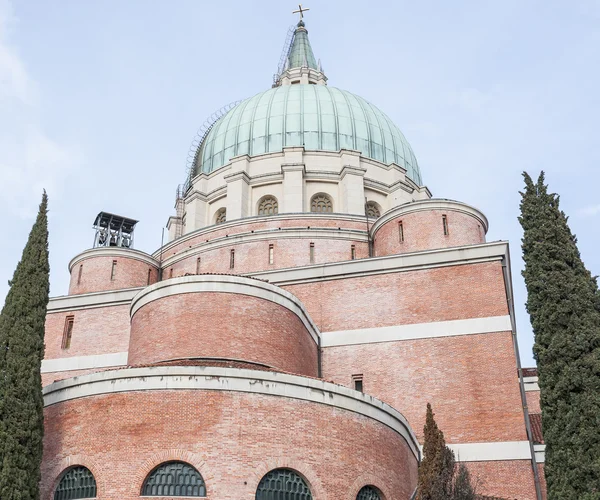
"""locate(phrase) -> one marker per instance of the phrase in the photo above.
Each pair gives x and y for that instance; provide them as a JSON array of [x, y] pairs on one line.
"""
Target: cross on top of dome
[[300, 11]]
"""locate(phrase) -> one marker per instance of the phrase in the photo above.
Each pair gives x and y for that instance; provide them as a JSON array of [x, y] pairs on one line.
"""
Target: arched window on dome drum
[[268, 206], [321, 203], [77, 482], [221, 216], [283, 484], [368, 493], [372, 209], [174, 479]]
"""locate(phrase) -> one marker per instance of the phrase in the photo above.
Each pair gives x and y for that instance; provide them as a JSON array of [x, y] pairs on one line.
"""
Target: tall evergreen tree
[[564, 306], [21, 352], [437, 467]]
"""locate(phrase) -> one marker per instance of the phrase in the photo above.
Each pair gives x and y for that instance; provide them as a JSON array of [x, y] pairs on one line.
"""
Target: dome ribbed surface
[[317, 117]]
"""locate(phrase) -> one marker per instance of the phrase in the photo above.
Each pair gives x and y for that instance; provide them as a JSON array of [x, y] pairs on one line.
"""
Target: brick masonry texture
[[225, 325], [470, 380], [96, 274], [233, 439], [254, 256], [424, 230], [510, 479], [439, 294], [100, 330], [533, 401], [48, 378]]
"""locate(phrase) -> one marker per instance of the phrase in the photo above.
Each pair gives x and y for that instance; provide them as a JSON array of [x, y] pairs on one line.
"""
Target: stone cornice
[[225, 284], [443, 257], [428, 205], [232, 379], [127, 253], [92, 300]]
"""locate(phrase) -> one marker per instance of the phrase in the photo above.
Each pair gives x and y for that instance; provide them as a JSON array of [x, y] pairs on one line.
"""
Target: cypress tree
[[564, 307], [21, 352], [437, 467]]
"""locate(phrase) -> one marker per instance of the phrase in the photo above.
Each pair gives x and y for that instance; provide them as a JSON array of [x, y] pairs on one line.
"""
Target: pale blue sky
[[100, 100]]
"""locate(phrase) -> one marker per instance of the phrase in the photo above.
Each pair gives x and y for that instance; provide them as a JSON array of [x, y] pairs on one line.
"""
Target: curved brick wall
[[92, 270], [222, 317], [232, 438], [423, 228]]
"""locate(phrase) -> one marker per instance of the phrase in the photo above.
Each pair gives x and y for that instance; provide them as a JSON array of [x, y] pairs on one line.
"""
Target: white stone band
[[231, 379], [531, 384], [91, 300], [491, 452], [127, 253], [225, 284], [84, 362], [452, 328]]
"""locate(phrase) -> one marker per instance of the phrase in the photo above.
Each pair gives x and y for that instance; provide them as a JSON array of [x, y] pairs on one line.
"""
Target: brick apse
[[312, 299]]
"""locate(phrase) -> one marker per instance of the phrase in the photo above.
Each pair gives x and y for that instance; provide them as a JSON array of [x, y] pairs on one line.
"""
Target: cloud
[[31, 159], [590, 211]]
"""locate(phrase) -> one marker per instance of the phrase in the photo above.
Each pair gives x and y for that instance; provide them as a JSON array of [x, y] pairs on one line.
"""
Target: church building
[[312, 298]]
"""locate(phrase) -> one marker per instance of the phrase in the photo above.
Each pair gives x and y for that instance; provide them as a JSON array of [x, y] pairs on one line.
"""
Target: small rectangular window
[[271, 252], [171, 273], [198, 264], [113, 270], [312, 253], [445, 224], [400, 232], [68, 332], [79, 274], [353, 252], [357, 380], [149, 274], [232, 259]]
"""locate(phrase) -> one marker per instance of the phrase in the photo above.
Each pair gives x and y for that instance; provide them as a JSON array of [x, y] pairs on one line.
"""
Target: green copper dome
[[317, 117]]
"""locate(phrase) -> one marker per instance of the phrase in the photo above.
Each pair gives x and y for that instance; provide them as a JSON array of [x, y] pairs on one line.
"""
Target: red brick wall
[[510, 479], [96, 274], [439, 294], [254, 256], [49, 378], [100, 330], [232, 438], [424, 231], [533, 401], [542, 479], [470, 380], [226, 325], [219, 231]]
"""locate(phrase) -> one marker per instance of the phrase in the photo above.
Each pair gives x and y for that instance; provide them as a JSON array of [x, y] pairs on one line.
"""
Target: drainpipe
[[511, 308]]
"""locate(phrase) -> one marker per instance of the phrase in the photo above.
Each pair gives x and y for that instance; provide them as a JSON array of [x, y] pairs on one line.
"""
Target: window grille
[[321, 203], [353, 252], [221, 216], [268, 206], [113, 270], [400, 232], [79, 274], [174, 479], [231, 259], [77, 482], [283, 484], [368, 493], [372, 210]]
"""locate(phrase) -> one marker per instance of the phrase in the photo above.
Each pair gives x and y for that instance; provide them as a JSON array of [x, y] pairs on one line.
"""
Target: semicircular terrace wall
[[215, 316], [427, 225], [232, 425], [111, 268]]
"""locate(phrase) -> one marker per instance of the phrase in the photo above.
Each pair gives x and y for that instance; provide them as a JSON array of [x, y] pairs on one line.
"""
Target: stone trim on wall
[[531, 384], [225, 284], [126, 253], [231, 379], [492, 451], [84, 362], [91, 300], [472, 326], [426, 259]]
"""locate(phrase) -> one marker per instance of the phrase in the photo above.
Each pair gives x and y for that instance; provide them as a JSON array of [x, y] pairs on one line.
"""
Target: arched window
[[174, 479], [283, 484], [368, 493], [268, 206], [372, 209], [221, 216], [321, 203], [77, 482]]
